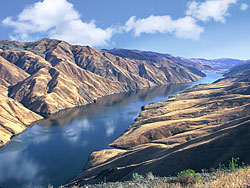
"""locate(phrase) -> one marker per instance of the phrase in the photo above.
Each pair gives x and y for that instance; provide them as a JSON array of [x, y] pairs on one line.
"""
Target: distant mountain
[[243, 69], [224, 63], [201, 64], [158, 58], [49, 75]]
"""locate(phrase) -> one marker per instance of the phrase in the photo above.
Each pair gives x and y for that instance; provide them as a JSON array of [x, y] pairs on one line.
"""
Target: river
[[56, 149]]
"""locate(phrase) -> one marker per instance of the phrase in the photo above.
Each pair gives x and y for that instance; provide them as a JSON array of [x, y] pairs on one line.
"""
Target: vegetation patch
[[233, 175], [136, 176], [188, 177]]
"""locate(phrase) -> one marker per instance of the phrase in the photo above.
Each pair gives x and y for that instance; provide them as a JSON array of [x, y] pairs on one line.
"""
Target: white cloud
[[244, 6], [210, 9], [58, 19], [185, 27], [87, 33]]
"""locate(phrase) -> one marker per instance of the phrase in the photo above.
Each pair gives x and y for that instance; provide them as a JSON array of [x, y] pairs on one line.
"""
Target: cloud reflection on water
[[24, 169], [62, 143], [73, 133], [110, 126]]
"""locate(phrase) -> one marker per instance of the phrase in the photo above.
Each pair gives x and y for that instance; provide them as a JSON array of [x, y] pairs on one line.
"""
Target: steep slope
[[198, 128], [133, 71], [10, 73], [49, 75], [63, 76], [48, 90], [14, 117]]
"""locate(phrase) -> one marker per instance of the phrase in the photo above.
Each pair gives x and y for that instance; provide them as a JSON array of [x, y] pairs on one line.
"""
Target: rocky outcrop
[[49, 75], [198, 128]]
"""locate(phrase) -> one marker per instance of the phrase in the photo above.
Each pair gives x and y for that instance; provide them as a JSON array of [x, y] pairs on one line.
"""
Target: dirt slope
[[50, 75], [198, 128]]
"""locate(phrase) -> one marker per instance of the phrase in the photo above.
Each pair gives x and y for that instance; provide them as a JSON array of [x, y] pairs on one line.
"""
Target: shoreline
[[129, 142], [45, 116]]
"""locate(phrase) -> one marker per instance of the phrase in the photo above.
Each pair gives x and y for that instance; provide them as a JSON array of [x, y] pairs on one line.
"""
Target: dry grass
[[237, 179]]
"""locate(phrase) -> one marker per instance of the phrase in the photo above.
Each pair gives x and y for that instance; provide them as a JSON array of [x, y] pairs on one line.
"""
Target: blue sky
[[187, 28]]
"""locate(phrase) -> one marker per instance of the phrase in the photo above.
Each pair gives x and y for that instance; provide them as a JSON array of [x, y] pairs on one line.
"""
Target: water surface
[[56, 149]]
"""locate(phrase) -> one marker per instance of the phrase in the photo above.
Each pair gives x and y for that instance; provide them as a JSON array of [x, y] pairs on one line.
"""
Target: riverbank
[[80, 131], [44, 77], [16, 118], [198, 128]]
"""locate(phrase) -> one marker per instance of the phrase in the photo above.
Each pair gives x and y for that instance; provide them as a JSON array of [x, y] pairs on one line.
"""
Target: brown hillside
[[196, 129], [50, 75], [14, 117]]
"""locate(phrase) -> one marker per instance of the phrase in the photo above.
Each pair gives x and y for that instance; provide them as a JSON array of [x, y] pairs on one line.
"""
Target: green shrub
[[136, 176], [189, 172], [188, 177], [233, 165], [222, 167]]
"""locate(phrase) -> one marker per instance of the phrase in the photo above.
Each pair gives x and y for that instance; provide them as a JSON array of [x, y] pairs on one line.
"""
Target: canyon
[[206, 124], [198, 128], [44, 77]]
